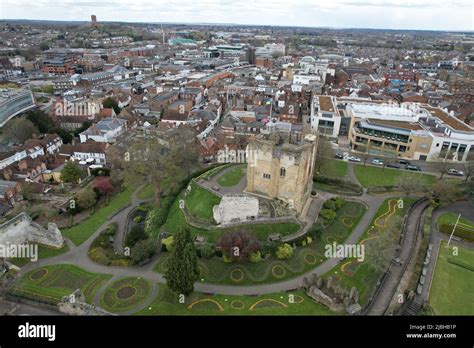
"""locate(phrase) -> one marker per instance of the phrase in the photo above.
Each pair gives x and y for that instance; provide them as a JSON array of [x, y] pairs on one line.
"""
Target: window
[[266, 176], [282, 172]]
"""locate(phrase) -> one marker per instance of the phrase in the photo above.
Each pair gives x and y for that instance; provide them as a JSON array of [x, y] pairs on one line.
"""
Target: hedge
[[461, 231], [339, 184]]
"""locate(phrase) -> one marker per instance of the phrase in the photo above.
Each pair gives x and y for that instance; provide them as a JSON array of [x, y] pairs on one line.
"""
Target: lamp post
[[454, 228]]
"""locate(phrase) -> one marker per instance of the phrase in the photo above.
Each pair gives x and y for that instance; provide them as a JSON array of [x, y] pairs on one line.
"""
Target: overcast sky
[[391, 14]]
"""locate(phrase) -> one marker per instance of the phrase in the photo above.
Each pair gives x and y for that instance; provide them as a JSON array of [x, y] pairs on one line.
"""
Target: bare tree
[[441, 166], [446, 192], [324, 152], [468, 169], [410, 182], [365, 157], [381, 249]]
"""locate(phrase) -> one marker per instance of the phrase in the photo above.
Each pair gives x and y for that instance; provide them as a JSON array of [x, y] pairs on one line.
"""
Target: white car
[[377, 162], [455, 172], [354, 159]]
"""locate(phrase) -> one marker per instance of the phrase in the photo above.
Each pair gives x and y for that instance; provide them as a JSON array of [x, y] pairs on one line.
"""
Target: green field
[[166, 303], [374, 176], [334, 169], [79, 233], [232, 177], [50, 283], [452, 284]]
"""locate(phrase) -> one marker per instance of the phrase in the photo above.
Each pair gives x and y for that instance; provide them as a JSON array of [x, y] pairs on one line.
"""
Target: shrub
[[315, 230], [207, 251], [143, 250], [111, 230], [137, 219], [309, 240], [226, 258], [284, 251], [135, 234], [168, 243], [268, 248], [255, 257], [461, 231], [99, 255], [100, 172], [328, 215], [338, 202], [330, 204]]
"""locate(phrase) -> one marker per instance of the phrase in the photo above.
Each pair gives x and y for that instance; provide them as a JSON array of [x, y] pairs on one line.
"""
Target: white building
[[104, 131]]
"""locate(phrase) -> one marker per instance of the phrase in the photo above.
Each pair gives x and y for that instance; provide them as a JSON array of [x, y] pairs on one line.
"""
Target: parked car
[[455, 172], [404, 162], [377, 162], [413, 168], [339, 156], [354, 159], [393, 165]]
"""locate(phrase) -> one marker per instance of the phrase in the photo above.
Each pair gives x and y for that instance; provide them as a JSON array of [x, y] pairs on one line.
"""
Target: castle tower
[[282, 168]]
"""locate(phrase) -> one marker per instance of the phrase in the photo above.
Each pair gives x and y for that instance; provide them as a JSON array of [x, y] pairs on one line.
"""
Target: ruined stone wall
[[22, 229]]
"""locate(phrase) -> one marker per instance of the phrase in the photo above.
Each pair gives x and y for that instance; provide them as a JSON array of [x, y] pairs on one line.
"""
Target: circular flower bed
[[125, 294], [38, 274]]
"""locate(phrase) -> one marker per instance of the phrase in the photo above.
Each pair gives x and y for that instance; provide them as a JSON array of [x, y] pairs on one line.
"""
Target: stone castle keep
[[281, 166]]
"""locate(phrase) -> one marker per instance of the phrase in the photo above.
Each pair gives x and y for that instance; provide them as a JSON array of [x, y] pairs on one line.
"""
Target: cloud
[[390, 14]]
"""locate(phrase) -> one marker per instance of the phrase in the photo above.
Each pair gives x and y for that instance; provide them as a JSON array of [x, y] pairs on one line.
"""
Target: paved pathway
[[121, 220]]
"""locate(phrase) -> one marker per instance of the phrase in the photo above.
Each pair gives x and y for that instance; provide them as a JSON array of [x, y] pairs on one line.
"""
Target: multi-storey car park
[[14, 102]]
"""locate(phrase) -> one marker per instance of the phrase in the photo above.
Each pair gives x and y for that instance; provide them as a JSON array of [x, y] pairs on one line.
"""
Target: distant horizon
[[426, 15], [470, 31]]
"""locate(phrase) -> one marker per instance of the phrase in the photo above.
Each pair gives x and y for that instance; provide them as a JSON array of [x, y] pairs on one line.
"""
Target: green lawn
[[166, 303], [451, 218], [43, 253], [451, 288], [200, 202], [146, 192], [374, 176], [79, 233], [232, 177], [50, 283], [334, 169]]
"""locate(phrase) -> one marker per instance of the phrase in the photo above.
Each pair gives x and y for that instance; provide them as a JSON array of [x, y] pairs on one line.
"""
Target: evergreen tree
[[182, 271]]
